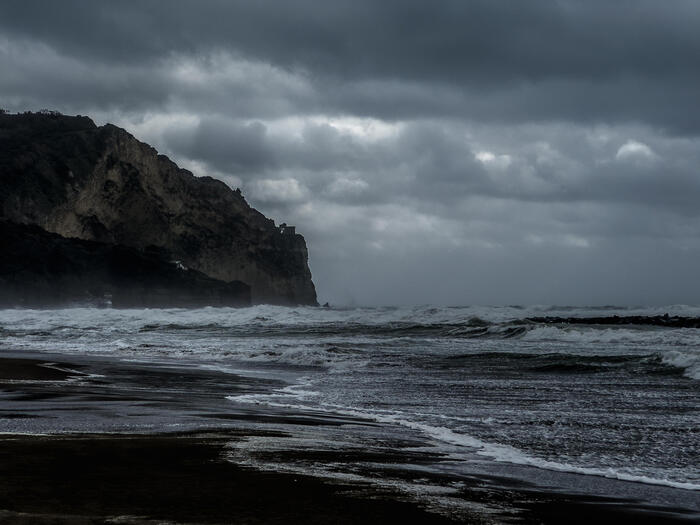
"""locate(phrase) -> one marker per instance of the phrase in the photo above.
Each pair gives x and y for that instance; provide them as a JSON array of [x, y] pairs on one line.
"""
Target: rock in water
[[73, 178]]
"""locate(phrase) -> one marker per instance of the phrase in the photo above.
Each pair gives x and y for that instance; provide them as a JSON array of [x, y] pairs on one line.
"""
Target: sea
[[424, 399]]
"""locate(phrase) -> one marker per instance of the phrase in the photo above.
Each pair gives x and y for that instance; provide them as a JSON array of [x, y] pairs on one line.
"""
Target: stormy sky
[[447, 152]]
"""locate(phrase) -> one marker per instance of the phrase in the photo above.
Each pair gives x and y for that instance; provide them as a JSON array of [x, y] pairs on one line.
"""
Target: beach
[[192, 475], [181, 479], [178, 478]]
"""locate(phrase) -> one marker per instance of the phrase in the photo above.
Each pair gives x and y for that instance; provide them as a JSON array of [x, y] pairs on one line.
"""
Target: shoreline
[[181, 478], [186, 478], [190, 476], [26, 369]]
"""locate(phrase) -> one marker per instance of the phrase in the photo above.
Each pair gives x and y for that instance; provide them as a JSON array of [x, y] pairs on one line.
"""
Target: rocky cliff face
[[73, 178], [38, 268]]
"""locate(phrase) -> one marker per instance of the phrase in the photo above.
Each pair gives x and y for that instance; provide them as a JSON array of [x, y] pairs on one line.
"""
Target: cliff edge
[[71, 177]]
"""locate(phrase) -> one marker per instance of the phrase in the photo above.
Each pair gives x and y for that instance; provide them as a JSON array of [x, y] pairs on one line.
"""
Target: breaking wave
[[495, 451], [688, 361]]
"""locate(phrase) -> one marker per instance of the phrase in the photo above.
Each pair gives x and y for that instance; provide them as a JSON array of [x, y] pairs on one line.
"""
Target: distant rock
[[613, 320], [71, 177], [38, 268]]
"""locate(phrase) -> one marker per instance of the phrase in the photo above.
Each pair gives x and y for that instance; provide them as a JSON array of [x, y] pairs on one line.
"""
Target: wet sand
[[18, 369], [189, 477], [185, 479], [177, 478]]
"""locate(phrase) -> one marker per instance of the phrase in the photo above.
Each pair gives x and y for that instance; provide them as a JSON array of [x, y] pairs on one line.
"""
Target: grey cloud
[[208, 85], [229, 146], [561, 269], [495, 174], [395, 38], [496, 61], [437, 163], [423, 160]]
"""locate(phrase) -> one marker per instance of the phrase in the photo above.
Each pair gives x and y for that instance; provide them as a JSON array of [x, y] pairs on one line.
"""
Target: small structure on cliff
[[287, 230]]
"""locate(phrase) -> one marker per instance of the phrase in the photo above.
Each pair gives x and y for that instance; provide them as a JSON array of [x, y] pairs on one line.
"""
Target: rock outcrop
[[38, 268], [621, 320], [73, 178]]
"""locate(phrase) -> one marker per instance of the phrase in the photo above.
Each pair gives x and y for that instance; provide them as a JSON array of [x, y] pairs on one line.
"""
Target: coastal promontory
[[70, 177]]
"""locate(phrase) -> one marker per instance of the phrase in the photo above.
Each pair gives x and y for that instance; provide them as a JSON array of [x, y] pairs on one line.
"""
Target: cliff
[[38, 268], [73, 178]]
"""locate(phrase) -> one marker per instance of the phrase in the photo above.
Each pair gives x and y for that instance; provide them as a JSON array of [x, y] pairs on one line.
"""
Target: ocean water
[[482, 386]]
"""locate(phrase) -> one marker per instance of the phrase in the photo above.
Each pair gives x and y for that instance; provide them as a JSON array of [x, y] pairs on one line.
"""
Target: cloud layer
[[458, 152]]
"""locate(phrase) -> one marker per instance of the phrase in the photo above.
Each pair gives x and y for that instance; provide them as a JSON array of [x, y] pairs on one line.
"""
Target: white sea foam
[[442, 499], [130, 320], [616, 335], [298, 391], [495, 451], [301, 354], [93, 330], [393, 343], [688, 359], [508, 454]]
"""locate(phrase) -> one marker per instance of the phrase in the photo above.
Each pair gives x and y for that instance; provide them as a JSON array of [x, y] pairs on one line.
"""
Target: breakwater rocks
[[614, 320]]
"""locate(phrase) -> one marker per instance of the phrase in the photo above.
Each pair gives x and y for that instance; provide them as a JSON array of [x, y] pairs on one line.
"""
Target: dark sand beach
[[183, 479], [189, 477], [179, 478], [31, 370]]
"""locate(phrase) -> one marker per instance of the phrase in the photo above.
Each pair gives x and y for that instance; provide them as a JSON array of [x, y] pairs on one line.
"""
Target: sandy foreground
[[188, 477]]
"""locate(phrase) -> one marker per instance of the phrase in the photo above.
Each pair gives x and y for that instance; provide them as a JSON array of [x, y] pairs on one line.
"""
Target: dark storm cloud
[[453, 151], [227, 145], [435, 163], [580, 61], [482, 40]]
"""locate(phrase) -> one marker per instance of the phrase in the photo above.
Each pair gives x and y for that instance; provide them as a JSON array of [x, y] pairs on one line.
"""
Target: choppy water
[[478, 382]]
